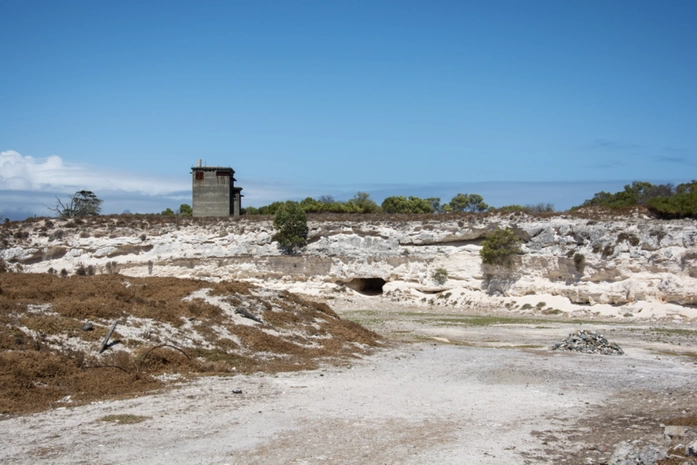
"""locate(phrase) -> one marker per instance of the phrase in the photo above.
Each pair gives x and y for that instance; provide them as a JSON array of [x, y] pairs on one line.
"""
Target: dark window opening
[[223, 174], [199, 175]]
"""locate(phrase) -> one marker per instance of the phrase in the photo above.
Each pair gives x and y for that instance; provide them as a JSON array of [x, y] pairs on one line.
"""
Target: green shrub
[[440, 276], [631, 238], [551, 311], [500, 247], [579, 262], [400, 204], [512, 208], [270, 209], [540, 208], [290, 223], [663, 199], [683, 203], [364, 203], [82, 270], [395, 204], [360, 203], [607, 251], [310, 205], [529, 208]]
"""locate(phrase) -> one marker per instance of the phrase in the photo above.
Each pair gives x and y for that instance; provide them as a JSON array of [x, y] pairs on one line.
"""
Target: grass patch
[[482, 320], [552, 311], [503, 320], [125, 419], [366, 321], [675, 332], [456, 319]]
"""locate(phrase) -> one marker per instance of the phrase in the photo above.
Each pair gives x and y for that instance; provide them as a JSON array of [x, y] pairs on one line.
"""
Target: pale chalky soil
[[420, 403]]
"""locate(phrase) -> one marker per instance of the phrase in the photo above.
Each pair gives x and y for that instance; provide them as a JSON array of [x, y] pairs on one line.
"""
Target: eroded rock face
[[614, 261]]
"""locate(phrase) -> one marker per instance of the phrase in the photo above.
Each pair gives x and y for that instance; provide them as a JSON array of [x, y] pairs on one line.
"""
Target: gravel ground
[[492, 394]]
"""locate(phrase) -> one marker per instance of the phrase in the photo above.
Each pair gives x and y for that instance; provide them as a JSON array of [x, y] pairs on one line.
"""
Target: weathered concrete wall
[[212, 195]]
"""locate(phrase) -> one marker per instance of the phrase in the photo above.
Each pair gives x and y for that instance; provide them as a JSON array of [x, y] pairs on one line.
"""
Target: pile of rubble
[[588, 342]]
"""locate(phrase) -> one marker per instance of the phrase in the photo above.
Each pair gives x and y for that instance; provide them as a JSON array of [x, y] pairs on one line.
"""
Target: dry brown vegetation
[[45, 355]]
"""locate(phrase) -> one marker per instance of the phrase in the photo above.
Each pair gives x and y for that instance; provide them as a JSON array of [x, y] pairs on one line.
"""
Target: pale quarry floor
[[447, 391]]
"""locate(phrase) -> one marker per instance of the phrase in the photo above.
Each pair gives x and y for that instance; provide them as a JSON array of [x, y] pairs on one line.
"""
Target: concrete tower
[[214, 191]]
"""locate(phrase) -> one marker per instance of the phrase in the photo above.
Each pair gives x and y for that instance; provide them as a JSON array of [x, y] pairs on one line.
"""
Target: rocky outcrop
[[612, 261]]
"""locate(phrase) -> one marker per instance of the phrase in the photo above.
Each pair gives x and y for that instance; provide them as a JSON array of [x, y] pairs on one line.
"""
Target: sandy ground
[[444, 393]]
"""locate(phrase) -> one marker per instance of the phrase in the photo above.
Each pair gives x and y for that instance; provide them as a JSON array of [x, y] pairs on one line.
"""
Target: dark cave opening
[[366, 286]]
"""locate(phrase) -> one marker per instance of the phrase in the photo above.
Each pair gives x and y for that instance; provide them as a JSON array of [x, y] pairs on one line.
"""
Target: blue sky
[[520, 101]]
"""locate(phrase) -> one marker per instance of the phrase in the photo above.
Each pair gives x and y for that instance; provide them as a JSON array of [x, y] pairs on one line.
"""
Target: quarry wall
[[625, 259]]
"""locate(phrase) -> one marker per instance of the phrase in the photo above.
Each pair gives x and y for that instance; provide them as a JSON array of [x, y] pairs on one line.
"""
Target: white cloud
[[29, 186], [18, 172]]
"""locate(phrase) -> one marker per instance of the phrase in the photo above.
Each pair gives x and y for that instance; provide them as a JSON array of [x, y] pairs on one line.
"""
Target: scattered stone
[[624, 454], [675, 431], [651, 454], [627, 453], [588, 342], [246, 314], [691, 449], [88, 326], [237, 391]]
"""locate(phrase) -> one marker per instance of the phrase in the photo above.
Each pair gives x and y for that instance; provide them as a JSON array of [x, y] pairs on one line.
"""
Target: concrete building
[[214, 191]]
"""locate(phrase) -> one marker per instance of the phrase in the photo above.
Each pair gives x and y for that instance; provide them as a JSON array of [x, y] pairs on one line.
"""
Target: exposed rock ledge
[[630, 264]]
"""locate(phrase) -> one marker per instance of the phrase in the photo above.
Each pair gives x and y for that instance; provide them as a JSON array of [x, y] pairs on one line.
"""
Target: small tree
[[477, 204], [82, 203], [434, 202], [290, 223], [468, 203], [459, 202], [395, 204], [365, 204], [500, 247], [167, 212], [185, 210]]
